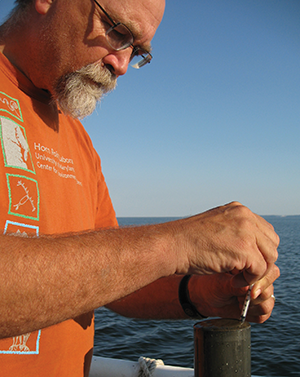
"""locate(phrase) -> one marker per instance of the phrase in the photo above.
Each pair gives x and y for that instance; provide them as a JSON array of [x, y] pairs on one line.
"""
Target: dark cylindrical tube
[[222, 348]]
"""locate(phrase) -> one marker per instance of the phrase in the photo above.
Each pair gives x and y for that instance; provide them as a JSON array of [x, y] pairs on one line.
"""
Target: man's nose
[[118, 61]]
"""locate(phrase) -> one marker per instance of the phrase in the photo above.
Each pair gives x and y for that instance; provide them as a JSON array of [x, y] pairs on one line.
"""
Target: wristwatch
[[185, 301]]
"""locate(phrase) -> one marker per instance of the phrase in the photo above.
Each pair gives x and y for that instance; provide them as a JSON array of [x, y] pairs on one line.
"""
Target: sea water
[[275, 343]]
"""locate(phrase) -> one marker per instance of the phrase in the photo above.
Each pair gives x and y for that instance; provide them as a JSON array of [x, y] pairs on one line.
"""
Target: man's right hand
[[225, 239]]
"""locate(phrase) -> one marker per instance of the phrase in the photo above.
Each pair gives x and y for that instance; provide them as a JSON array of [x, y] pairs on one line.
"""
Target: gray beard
[[79, 92]]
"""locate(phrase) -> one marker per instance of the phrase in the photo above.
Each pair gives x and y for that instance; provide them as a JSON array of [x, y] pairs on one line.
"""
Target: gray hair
[[22, 3], [17, 15]]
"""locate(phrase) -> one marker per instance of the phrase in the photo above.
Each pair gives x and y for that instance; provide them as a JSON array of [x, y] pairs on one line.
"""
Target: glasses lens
[[140, 58], [119, 37]]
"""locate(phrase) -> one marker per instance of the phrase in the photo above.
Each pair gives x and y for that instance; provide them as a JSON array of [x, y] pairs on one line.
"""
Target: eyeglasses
[[119, 37]]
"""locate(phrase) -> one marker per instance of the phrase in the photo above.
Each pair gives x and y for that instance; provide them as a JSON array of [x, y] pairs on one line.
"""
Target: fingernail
[[257, 293]]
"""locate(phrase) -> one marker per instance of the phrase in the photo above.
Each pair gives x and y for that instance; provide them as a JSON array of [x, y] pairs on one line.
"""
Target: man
[[67, 256]]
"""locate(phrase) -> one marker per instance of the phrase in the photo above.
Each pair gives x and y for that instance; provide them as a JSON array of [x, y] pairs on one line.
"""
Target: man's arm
[[47, 280], [217, 295]]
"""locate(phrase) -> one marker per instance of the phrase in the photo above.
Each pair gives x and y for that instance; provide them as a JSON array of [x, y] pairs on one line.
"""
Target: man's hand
[[222, 295], [225, 239]]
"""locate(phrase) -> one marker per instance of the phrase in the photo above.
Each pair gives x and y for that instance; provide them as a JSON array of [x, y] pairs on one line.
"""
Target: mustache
[[98, 75]]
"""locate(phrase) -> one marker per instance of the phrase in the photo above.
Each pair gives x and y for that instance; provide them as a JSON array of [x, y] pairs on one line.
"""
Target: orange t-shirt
[[50, 182]]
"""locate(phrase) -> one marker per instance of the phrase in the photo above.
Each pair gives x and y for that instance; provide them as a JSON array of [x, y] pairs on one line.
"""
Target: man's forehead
[[128, 6], [142, 17]]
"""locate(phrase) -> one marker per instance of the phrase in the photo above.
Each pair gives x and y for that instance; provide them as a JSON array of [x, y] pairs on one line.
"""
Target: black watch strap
[[185, 301]]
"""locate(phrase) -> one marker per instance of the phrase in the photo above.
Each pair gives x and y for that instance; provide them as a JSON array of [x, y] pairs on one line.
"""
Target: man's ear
[[42, 6]]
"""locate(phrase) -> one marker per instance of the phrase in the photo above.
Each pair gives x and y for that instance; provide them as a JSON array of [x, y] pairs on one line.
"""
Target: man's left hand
[[222, 295]]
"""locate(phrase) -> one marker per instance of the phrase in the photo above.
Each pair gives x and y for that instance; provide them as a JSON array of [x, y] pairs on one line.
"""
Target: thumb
[[239, 285]]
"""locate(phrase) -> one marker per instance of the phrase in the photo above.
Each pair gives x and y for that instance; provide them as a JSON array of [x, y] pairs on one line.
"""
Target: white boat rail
[[108, 367]]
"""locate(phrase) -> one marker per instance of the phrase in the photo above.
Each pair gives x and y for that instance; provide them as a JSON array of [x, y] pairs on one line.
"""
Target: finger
[[267, 245], [238, 281], [268, 230], [267, 242], [235, 271], [260, 313], [261, 307], [256, 269], [260, 242], [258, 319], [264, 296], [260, 287], [266, 256]]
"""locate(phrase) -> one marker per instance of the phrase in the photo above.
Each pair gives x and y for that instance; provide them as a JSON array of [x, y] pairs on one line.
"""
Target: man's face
[[87, 66]]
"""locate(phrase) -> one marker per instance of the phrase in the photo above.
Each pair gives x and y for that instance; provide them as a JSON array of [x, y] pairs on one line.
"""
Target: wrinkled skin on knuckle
[[277, 273], [277, 238], [262, 310], [239, 210], [266, 307], [262, 318], [275, 255]]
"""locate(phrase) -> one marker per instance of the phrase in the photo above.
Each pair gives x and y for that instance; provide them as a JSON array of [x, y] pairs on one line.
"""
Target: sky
[[215, 117]]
